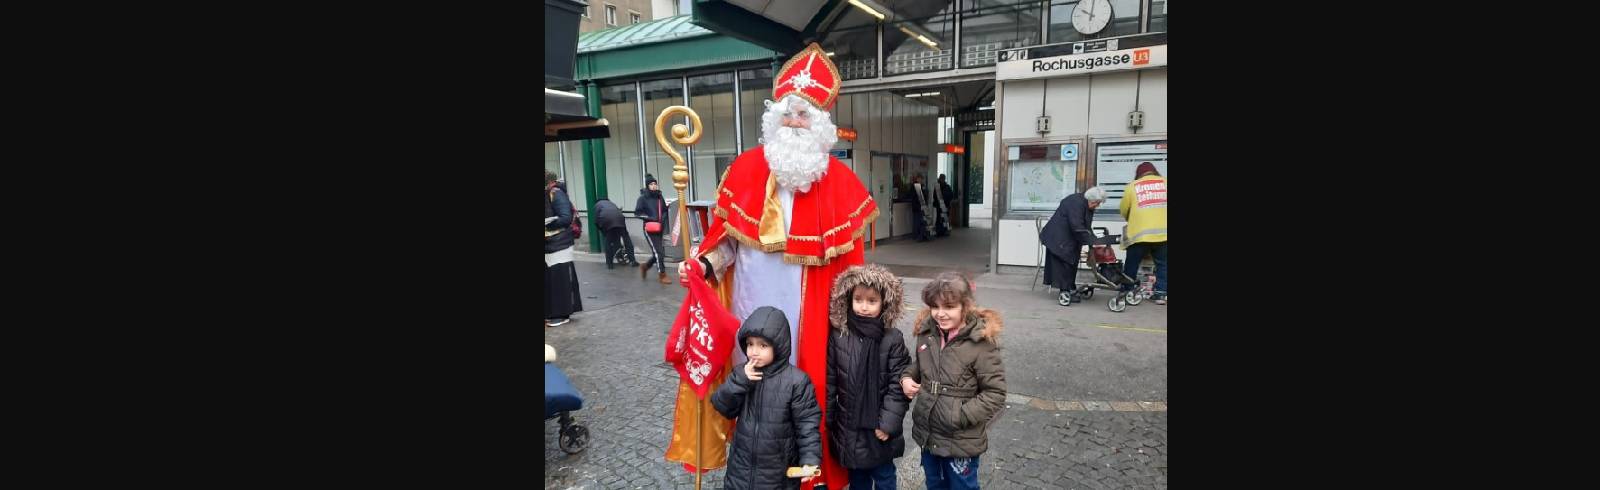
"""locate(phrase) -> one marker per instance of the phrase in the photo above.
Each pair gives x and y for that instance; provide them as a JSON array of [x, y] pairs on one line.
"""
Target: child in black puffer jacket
[[775, 407]]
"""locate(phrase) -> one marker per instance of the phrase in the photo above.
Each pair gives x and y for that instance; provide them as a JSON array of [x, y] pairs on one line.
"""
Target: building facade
[[1013, 83], [606, 14]]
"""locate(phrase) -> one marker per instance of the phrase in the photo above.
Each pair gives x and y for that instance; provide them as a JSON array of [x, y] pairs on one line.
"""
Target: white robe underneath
[[764, 279]]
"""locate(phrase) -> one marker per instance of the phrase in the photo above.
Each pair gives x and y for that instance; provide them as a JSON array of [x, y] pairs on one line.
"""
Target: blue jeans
[[951, 473], [1157, 251], [883, 477]]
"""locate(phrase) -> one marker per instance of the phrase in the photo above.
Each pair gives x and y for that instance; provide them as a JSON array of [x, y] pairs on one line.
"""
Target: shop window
[[755, 88], [1040, 178], [711, 96]]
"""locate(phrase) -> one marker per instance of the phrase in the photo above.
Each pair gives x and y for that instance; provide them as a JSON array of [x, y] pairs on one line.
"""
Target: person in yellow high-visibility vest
[[1144, 205]]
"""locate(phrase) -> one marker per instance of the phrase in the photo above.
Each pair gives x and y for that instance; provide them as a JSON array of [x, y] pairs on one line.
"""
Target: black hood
[[771, 324]]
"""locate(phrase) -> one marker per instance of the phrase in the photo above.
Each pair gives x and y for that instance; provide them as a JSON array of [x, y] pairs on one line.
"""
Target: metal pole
[[699, 443], [680, 181]]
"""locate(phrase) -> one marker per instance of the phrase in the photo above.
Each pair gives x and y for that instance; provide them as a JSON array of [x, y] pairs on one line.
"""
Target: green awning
[[668, 44]]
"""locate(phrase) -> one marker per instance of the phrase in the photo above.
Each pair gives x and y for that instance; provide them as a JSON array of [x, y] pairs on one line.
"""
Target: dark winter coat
[[776, 418], [608, 216], [963, 385], [853, 447], [647, 209], [1068, 229], [557, 233]]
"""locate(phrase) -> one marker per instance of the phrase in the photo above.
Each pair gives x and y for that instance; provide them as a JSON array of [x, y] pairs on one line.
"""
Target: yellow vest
[[1144, 205]]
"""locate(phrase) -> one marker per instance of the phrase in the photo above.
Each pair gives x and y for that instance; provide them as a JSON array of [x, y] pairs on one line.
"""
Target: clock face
[[1091, 16]]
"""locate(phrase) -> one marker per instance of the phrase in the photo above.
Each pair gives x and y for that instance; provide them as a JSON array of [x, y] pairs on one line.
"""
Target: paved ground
[[1087, 407], [966, 249]]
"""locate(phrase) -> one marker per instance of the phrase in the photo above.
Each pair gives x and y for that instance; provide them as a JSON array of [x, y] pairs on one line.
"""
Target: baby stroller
[[1107, 271], [560, 400]]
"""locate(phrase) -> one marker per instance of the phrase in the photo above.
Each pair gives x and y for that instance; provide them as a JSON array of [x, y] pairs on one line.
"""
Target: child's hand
[[910, 387], [751, 372], [882, 436]]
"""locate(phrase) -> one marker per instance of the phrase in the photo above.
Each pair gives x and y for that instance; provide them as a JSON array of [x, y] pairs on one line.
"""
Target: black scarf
[[867, 366]]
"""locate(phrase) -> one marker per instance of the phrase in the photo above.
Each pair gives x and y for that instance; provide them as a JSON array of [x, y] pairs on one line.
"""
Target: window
[[985, 32], [755, 88], [921, 45], [566, 160], [658, 96], [619, 105], [1114, 166], [611, 15], [552, 160], [853, 44], [572, 165], [1158, 16], [1040, 178], [711, 96], [633, 17], [1124, 20], [586, 12]]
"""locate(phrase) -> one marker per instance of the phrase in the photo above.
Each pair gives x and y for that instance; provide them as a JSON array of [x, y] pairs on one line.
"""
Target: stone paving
[[1082, 412]]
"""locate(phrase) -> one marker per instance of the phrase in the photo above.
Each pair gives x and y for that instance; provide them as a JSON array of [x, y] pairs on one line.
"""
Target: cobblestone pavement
[[1105, 428]]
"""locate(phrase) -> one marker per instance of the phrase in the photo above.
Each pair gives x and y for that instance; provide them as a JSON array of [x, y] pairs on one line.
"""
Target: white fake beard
[[797, 156]]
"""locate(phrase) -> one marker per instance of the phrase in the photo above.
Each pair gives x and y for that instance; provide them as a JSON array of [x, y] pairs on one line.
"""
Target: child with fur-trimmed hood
[[957, 380], [866, 355]]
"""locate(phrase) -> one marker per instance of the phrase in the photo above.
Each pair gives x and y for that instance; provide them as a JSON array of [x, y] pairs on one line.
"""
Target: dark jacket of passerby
[[558, 233], [963, 385], [608, 216], [776, 418], [653, 207], [1068, 229], [850, 426]]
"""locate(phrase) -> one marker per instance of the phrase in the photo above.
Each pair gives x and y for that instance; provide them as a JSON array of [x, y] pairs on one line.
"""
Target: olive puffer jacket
[[776, 417], [854, 447], [963, 385]]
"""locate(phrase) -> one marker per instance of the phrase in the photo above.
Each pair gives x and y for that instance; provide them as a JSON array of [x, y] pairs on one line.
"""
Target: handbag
[[654, 226]]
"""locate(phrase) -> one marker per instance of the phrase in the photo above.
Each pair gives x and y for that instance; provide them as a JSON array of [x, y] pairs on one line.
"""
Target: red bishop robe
[[825, 236]]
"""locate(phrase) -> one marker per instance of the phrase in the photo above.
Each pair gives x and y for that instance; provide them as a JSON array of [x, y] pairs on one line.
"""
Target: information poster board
[[1115, 164]]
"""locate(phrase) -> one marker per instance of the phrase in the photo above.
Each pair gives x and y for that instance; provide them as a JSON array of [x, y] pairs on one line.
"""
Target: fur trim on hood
[[989, 321], [873, 276]]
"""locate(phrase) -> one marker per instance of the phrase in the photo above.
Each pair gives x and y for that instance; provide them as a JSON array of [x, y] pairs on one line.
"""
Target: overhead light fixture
[[924, 94], [920, 37], [986, 108], [830, 54], [866, 9]]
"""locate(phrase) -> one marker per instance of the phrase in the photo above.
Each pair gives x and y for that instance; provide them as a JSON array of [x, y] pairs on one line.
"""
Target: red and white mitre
[[809, 75]]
